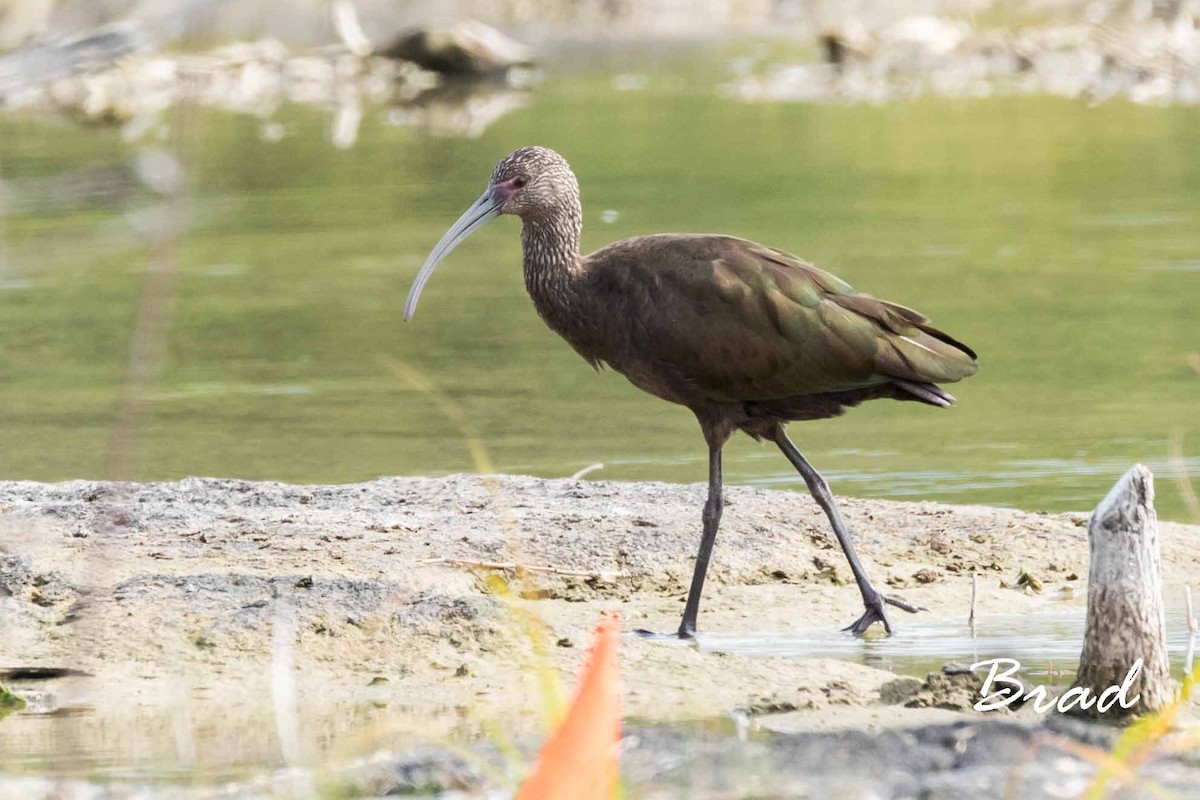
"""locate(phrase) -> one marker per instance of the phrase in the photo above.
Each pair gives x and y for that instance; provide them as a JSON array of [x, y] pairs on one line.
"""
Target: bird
[[747, 337]]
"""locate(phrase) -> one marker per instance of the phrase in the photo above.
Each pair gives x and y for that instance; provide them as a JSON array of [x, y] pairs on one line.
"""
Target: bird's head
[[531, 183]]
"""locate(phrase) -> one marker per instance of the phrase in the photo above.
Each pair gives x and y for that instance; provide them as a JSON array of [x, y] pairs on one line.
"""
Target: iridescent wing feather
[[744, 322]]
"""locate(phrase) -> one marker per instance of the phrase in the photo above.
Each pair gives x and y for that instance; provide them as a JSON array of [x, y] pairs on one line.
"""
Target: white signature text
[[1002, 689]]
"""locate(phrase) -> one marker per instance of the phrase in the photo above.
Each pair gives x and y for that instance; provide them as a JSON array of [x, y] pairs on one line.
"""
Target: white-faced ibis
[[747, 337]]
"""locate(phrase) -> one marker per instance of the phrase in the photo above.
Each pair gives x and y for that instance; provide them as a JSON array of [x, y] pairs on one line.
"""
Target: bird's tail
[[926, 392]]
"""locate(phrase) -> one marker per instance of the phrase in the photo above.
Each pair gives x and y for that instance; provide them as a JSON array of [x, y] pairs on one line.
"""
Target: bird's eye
[[519, 183]]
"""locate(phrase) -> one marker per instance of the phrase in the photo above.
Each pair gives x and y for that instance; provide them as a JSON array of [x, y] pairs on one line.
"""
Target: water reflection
[[256, 79], [459, 109], [201, 738]]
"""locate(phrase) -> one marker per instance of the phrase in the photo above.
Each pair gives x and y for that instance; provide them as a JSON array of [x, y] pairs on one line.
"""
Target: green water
[[1062, 242]]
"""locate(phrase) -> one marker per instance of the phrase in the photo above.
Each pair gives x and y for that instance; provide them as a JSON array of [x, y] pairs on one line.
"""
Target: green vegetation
[[9, 702]]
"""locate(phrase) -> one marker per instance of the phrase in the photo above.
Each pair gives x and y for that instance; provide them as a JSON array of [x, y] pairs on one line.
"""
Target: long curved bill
[[486, 208]]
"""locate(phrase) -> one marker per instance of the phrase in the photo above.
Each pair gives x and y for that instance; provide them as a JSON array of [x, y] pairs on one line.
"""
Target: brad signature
[[1002, 689]]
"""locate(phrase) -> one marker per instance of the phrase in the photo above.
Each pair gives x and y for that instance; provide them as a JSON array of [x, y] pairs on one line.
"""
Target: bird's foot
[[682, 635], [875, 603]]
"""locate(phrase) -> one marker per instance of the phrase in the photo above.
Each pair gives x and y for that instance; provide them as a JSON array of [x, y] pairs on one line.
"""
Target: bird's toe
[[869, 618], [678, 636], [874, 604], [903, 605], [875, 612]]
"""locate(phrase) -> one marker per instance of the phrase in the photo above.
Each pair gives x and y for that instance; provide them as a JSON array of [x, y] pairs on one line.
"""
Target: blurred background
[[210, 213]]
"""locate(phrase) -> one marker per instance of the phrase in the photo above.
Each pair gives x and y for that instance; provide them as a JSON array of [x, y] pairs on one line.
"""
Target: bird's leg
[[872, 599], [712, 520]]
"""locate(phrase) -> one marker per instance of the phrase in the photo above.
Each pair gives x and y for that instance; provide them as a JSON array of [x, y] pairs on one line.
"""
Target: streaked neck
[[552, 262]]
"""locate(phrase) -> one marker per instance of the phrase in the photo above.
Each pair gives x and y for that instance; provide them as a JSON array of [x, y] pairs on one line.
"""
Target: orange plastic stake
[[580, 759]]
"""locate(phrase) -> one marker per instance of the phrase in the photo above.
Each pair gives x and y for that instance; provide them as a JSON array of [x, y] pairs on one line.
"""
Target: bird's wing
[[741, 321]]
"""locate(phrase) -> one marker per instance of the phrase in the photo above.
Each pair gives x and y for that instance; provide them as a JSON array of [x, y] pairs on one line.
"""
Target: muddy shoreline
[[186, 595]]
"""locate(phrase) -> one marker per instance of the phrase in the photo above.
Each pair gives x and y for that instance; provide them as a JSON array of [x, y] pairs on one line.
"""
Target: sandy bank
[[170, 596]]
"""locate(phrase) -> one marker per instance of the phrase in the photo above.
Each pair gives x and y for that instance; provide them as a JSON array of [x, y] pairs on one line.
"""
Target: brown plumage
[[747, 337]]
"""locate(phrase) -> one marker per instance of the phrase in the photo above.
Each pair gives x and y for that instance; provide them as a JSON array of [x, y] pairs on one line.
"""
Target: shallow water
[[1059, 240], [1047, 644], [200, 737]]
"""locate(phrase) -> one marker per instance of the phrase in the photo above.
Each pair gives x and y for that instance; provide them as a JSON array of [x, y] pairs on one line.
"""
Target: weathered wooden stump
[[1125, 619]]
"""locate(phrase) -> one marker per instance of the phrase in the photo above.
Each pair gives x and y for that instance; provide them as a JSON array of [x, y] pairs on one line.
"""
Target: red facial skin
[[506, 189]]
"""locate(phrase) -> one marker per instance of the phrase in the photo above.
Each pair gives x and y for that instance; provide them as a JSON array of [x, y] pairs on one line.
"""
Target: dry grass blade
[[1179, 467], [590, 468], [534, 630], [519, 568], [283, 686], [349, 29], [539, 636], [1138, 743], [1090, 753], [1193, 361], [452, 411], [1111, 767], [1192, 625], [974, 600], [1187, 744]]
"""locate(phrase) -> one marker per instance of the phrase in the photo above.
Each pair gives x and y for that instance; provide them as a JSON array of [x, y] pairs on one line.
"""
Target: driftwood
[[974, 600], [1125, 619], [466, 48]]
